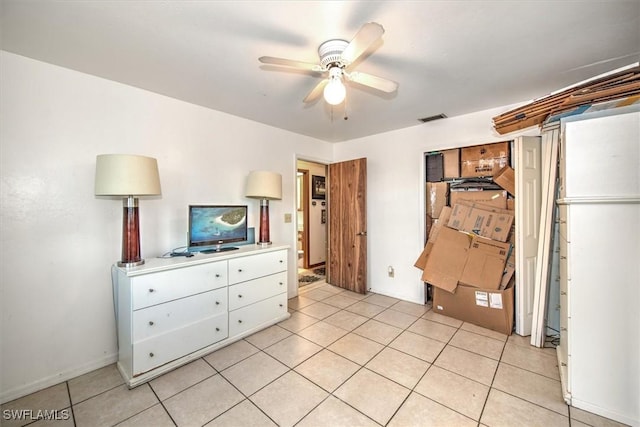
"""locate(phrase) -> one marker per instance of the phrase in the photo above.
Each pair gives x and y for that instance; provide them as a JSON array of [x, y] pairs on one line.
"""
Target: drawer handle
[[151, 290], [150, 354], [281, 261], [563, 293], [239, 296], [239, 321], [281, 283], [217, 275], [563, 257], [280, 305], [217, 302], [239, 270], [217, 329], [150, 323]]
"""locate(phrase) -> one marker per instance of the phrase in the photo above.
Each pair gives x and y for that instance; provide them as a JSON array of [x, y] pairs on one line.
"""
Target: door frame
[[293, 285], [305, 215]]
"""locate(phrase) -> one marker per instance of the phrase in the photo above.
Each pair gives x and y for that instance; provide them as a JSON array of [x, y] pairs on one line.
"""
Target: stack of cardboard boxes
[[469, 256]]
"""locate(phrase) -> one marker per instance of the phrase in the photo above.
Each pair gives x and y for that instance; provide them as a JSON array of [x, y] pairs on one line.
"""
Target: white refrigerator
[[599, 222]]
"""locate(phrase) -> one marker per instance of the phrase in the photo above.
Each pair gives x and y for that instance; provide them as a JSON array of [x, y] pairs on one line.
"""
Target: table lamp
[[265, 186], [128, 176]]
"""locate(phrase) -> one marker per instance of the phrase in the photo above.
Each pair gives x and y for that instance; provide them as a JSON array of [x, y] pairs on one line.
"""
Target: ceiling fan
[[336, 56]]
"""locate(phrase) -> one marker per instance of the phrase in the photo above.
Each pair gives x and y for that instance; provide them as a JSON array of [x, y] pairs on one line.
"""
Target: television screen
[[214, 225]]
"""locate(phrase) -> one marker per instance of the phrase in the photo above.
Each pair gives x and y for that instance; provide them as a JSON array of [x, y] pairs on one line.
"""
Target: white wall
[[395, 193], [58, 240]]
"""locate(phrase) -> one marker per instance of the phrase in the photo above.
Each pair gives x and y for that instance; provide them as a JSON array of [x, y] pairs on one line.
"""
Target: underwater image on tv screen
[[210, 224]]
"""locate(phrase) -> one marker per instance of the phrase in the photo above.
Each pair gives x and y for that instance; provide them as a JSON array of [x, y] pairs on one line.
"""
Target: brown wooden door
[[347, 197]]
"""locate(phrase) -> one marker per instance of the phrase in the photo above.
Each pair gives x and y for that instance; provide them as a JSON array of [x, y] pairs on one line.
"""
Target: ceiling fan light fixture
[[330, 52], [334, 91], [336, 58]]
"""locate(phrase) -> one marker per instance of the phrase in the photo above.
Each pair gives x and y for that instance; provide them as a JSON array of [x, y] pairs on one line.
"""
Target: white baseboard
[[41, 384], [402, 297]]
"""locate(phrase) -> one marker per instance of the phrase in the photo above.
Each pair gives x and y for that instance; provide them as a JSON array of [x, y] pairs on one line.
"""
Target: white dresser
[[171, 311]]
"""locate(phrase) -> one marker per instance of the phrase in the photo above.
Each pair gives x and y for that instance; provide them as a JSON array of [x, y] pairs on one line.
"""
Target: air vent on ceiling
[[432, 118]]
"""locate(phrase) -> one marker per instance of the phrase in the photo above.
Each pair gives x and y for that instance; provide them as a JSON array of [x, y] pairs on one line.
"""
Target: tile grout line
[[429, 368], [73, 415], [492, 380], [385, 346], [161, 402], [360, 367], [248, 397], [459, 328]]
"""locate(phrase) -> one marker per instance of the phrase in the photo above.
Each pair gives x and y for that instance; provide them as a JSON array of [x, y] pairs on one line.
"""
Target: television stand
[[219, 249]]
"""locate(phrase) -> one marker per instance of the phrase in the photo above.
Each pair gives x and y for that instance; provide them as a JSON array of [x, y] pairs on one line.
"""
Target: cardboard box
[[437, 196], [435, 167], [446, 259], [451, 163], [482, 220], [422, 259], [437, 225], [496, 198], [511, 204], [487, 308], [506, 178], [509, 269], [484, 160], [485, 264]]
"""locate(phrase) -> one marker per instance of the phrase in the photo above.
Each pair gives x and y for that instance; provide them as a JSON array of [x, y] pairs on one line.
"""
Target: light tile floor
[[342, 359]]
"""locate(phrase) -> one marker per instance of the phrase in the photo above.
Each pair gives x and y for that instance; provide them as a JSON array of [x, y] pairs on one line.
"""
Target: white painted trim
[[598, 200], [17, 392], [547, 210]]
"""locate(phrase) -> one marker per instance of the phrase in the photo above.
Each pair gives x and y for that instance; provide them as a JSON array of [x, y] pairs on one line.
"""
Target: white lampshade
[[264, 185], [126, 175]]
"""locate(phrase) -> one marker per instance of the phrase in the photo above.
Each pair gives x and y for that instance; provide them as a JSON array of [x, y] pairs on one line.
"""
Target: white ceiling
[[451, 57]]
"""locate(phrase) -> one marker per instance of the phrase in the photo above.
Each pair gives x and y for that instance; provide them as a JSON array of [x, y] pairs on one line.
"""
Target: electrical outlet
[[390, 271], [287, 217]]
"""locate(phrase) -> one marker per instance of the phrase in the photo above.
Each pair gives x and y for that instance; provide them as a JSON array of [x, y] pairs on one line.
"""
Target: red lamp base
[[130, 234], [264, 223]]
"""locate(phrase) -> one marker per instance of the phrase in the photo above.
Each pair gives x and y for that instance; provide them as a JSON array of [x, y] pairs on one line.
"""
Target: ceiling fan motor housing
[[330, 53]]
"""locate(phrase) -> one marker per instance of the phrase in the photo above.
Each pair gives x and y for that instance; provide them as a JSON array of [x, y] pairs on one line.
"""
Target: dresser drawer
[[155, 288], [254, 266], [161, 318], [176, 343], [254, 315], [246, 293]]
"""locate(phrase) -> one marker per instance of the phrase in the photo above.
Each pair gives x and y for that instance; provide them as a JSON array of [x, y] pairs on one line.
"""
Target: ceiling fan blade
[[316, 92], [367, 35], [290, 63], [375, 82]]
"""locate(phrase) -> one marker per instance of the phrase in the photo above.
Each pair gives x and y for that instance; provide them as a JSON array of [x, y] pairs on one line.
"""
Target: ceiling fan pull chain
[[346, 117]]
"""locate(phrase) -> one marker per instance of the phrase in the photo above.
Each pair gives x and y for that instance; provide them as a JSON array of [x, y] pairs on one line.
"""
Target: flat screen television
[[211, 226]]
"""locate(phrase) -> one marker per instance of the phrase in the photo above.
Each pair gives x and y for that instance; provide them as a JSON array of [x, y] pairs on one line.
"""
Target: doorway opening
[[311, 222]]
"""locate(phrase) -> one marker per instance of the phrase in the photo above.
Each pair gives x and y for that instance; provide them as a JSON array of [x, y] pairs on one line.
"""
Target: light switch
[[287, 217]]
